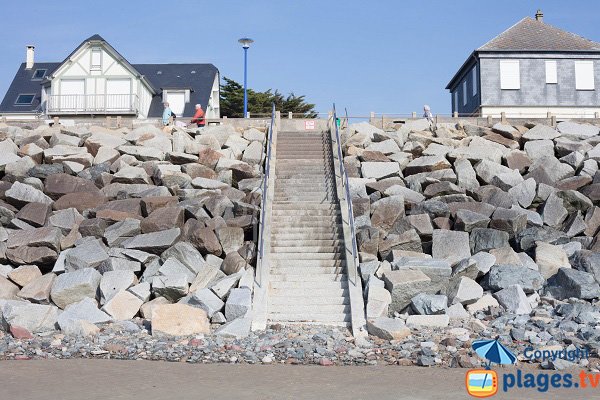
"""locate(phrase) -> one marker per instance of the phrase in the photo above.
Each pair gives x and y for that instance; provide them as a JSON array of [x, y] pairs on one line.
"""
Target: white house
[[95, 80]]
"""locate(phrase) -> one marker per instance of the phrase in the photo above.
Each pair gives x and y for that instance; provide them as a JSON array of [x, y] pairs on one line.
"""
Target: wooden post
[[277, 119], [290, 115], [55, 121], [503, 117], [108, 122], [597, 115], [553, 120], [372, 117], [455, 114], [118, 121], [3, 119], [490, 122], [414, 115], [248, 114]]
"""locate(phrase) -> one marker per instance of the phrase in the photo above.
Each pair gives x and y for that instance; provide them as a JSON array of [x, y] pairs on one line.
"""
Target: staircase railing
[[263, 207], [346, 186]]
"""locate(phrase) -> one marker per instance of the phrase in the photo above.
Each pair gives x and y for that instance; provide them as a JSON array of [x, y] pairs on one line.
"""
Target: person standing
[[167, 117], [198, 117]]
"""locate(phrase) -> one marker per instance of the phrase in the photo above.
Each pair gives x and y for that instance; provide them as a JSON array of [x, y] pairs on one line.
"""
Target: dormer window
[[24, 99], [96, 64], [39, 74]]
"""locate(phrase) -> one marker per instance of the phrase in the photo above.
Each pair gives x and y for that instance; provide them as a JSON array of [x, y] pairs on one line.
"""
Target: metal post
[[245, 82]]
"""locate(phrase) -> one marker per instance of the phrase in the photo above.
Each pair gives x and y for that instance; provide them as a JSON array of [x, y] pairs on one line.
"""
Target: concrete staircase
[[308, 280]]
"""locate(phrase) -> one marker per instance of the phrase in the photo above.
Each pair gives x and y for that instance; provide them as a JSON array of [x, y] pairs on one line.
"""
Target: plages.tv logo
[[484, 382]]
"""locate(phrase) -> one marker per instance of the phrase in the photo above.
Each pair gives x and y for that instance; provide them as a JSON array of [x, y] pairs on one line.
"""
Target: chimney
[[539, 16], [30, 57]]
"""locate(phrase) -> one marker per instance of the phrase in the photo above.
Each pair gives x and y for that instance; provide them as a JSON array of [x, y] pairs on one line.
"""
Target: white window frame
[[584, 75], [510, 75], [551, 72], [455, 99], [98, 66], [464, 90], [474, 75]]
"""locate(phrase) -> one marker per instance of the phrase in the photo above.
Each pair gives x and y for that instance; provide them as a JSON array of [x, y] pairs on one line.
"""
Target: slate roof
[[532, 35], [198, 78]]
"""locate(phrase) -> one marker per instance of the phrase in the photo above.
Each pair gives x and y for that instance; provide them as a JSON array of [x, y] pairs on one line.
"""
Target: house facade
[[528, 71], [95, 80]]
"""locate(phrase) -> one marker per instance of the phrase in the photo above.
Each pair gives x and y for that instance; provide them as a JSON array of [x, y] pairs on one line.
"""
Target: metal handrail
[[263, 208], [345, 184]]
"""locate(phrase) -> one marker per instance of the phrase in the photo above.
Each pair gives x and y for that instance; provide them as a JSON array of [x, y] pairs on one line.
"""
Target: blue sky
[[383, 56]]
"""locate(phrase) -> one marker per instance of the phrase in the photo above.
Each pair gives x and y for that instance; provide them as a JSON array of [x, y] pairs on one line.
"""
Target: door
[[176, 102], [118, 95], [72, 95]]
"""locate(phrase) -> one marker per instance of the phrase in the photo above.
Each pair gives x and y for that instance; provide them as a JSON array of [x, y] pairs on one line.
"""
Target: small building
[[528, 71], [95, 80]]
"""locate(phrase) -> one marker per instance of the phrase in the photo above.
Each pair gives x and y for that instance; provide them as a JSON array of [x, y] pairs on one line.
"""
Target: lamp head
[[245, 42]]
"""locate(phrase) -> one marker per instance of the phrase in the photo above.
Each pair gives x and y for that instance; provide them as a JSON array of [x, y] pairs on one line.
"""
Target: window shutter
[[464, 92], [474, 80], [510, 74], [551, 72], [584, 75]]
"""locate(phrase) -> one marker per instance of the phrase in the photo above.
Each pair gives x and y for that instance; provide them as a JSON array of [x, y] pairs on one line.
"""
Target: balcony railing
[[93, 104]]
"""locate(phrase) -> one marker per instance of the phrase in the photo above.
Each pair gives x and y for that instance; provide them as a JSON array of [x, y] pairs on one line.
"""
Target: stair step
[[309, 277], [317, 318], [306, 212], [299, 236], [284, 264], [309, 309], [307, 270], [293, 251], [288, 300], [287, 292], [315, 206], [308, 242], [310, 285]]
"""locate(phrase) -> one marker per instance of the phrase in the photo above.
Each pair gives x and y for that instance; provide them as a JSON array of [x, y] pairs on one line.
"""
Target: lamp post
[[246, 42]]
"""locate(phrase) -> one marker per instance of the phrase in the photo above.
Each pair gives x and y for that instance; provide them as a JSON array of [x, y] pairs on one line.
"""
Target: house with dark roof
[[95, 80], [528, 71]]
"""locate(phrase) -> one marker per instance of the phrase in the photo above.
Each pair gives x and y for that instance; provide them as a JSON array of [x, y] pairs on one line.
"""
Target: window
[[510, 75], [455, 98], [474, 75], [24, 99], [584, 75], [464, 90], [551, 73], [96, 59], [39, 74]]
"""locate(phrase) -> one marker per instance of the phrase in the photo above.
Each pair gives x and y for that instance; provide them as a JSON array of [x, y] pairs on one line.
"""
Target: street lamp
[[246, 42]]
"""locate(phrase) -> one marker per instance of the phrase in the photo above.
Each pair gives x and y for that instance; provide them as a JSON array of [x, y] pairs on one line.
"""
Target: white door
[[176, 102], [118, 95], [72, 95]]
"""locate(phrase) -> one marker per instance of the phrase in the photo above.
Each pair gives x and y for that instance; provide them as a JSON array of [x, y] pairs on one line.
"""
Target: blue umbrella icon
[[494, 352]]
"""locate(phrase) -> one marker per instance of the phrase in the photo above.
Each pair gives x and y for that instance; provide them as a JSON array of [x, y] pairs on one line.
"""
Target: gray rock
[[467, 178], [388, 328], [467, 220], [524, 192], [537, 149], [581, 131], [482, 239], [73, 287], [121, 231], [380, 170], [238, 303], [205, 299], [231, 238], [141, 291], [404, 285], [36, 318], [89, 254], [541, 132], [503, 276], [113, 282], [238, 328], [464, 291], [173, 266], [222, 287], [20, 194], [514, 300], [573, 283], [155, 242], [378, 299], [172, 287], [427, 304], [452, 246]]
